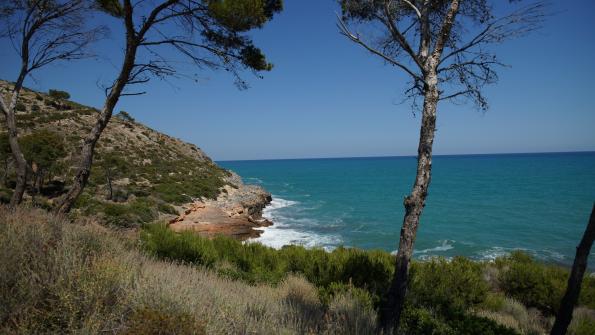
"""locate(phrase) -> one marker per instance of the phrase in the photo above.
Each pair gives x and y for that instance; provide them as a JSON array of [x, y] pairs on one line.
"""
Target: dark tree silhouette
[[42, 32], [443, 46], [205, 33], [573, 290]]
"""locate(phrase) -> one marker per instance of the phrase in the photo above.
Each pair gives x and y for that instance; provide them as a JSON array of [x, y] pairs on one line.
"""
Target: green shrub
[[35, 108], [162, 242], [141, 210], [60, 95], [255, 263], [125, 116], [532, 283], [452, 287], [420, 321], [21, 107]]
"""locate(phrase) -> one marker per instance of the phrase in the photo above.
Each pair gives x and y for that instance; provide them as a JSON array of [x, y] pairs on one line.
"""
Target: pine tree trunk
[[573, 289], [19, 158], [414, 204], [88, 148]]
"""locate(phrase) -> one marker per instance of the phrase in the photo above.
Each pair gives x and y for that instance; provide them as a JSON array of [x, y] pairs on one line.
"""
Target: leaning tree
[[443, 47], [41, 32], [204, 33]]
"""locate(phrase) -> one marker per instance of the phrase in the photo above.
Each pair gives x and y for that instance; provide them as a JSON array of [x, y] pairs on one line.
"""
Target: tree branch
[[345, 31]]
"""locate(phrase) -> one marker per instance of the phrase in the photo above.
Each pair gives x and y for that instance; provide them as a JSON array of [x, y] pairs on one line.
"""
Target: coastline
[[237, 212]]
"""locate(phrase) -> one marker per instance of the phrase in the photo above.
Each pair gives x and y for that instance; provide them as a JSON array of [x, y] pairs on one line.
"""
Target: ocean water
[[480, 206]]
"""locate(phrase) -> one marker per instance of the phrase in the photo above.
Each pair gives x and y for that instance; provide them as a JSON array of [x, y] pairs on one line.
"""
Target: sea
[[479, 206]]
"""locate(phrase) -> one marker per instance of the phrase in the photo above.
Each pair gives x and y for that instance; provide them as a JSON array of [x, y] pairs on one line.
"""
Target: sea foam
[[282, 233]]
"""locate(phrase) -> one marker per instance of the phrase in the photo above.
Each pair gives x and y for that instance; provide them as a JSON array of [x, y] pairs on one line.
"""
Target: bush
[[141, 210], [35, 108], [255, 263], [533, 284], [452, 287], [60, 95], [21, 107], [125, 116]]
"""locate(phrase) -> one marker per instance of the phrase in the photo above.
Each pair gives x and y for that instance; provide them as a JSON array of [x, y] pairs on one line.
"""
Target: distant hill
[[149, 172]]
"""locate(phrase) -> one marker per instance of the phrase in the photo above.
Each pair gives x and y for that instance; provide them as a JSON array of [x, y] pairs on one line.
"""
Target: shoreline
[[237, 212]]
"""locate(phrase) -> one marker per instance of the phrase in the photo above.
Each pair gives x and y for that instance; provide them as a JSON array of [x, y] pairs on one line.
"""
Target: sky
[[327, 97]]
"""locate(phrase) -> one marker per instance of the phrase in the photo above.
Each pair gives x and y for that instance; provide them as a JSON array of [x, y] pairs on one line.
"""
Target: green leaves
[[243, 15], [111, 7]]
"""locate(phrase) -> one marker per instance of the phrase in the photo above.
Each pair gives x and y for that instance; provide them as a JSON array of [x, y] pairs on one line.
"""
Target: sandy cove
[[237, 212]]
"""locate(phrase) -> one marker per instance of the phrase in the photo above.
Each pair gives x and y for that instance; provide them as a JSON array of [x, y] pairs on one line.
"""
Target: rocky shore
[[237, 212]]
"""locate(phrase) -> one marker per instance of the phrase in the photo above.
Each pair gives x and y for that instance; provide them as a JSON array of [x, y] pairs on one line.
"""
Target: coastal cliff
[[236, 212], [139, 175]]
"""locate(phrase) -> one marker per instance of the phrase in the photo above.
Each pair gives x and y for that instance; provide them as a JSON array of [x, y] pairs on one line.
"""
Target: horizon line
[[410, 156]]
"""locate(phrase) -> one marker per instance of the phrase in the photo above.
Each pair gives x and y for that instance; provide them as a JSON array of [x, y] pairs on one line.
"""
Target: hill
[[138, 174]]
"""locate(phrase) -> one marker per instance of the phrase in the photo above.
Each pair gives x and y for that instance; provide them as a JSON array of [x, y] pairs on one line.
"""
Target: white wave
[[493, 253], [281, 233], [443, 247]]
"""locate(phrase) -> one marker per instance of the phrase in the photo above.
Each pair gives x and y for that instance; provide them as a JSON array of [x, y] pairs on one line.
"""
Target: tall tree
[[208, 33], [442, 45], [573, 289], [42, 32]]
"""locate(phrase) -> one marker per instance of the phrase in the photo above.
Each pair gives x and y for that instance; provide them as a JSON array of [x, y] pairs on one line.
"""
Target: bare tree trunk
[[414, 204], [19, 158], [573, 289], [88, 148], [5, 175], [109, 186]]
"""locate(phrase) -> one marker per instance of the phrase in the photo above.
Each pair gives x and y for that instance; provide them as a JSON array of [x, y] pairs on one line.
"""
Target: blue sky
[[326, 97]]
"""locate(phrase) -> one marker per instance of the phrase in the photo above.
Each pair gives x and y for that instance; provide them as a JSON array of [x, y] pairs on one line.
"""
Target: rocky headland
[[236, 212]]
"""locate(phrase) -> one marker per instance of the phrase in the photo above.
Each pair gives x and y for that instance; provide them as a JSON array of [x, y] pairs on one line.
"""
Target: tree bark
[[414, 204], [88, 148], [19, 158], [573, 289]]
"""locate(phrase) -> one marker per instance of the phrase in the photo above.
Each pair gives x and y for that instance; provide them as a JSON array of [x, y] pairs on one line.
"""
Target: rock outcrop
[[236, 212]]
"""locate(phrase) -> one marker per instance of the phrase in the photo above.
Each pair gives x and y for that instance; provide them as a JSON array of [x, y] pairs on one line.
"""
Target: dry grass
[[58, 277], [532, 322]]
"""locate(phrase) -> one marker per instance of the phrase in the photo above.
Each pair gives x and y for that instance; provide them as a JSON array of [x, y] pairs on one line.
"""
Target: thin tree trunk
[[414, 204], [88, 148], [109, 186], [573, 289], [5, 175], [19, 158]]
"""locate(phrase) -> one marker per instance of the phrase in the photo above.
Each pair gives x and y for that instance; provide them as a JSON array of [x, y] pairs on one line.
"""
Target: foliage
[[60, 95], [125, 116], [449, 286], [255, 263], [43, 148], [21, 107], [130, 214], [442, 292], [538, 285], [63, 277]]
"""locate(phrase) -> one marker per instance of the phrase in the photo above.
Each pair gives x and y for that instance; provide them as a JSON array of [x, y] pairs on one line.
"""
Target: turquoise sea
[[480, 206]]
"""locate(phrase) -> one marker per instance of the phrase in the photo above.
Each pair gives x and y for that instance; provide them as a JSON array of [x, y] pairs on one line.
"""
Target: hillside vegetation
[[63, 277], [138, 173]]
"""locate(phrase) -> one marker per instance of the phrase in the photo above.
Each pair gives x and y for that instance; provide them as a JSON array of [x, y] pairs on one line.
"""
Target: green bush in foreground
[[443, 294], [538, 285]]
